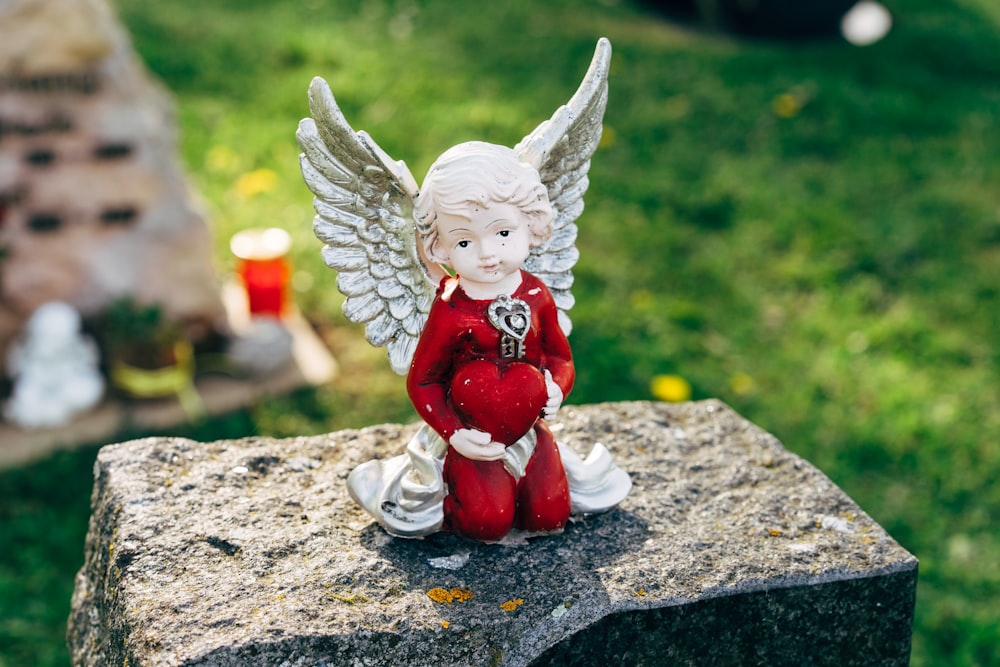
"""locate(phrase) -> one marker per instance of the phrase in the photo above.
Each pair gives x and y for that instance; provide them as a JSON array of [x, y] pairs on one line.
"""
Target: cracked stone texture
[[730, 550]]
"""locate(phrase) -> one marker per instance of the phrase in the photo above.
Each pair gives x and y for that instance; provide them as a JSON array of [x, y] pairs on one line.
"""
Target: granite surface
[[730, 550]]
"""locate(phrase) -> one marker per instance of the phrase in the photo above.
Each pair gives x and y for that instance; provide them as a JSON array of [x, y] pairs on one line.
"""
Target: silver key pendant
[[512, 318]]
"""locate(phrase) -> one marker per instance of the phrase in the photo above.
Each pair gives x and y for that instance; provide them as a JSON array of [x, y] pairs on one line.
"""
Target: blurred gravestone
[[93, 201], [730, 550]]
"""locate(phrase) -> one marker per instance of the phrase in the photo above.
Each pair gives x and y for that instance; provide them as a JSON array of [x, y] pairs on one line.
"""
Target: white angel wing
[[560, 149], [364, 215]]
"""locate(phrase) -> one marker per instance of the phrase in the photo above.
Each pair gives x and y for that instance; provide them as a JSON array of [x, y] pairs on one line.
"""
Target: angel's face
[[486, 249]]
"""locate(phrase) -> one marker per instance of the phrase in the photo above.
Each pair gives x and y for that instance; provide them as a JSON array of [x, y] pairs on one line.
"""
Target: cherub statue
[[55, 368], [486, 354]]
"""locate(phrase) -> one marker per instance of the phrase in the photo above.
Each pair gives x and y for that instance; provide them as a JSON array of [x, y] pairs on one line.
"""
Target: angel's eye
[[504, 233], [463, 244]]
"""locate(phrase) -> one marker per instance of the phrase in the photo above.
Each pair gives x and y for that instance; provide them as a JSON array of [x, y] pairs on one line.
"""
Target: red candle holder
[[264, 269]]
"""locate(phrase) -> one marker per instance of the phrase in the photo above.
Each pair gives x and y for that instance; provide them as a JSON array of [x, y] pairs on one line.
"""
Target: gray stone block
[[729, 551]]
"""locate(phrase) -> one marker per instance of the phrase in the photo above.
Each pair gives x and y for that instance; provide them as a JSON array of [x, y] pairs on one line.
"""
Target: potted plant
[[147, 355]]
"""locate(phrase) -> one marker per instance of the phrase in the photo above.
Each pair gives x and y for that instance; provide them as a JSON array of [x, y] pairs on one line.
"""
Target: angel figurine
[[466, 281]]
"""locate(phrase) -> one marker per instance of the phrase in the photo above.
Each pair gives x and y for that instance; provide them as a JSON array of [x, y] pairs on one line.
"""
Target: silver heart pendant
[[510, 316]]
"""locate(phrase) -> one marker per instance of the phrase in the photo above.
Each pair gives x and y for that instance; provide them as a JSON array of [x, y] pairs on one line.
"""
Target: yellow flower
[[741, 383], [256, 182], [670, 388], [786, 105], [608, 137], [642, 300], [221, 159]]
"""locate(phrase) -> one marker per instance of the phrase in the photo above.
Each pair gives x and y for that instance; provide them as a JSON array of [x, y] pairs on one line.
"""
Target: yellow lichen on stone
[[444, 596], [461, 594], [350, 598], [439, 595], [511, 605]]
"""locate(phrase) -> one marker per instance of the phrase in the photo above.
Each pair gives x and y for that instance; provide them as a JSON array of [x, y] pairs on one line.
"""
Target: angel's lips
[[504, 402]]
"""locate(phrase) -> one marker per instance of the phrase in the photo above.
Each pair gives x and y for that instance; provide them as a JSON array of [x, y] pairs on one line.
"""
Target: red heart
[[503, 402]]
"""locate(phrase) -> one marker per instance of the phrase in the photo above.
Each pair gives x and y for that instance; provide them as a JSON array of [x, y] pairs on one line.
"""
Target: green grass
[[830, 271]]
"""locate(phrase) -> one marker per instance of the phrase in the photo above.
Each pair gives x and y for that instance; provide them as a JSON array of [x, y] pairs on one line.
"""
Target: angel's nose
[[487, 249]]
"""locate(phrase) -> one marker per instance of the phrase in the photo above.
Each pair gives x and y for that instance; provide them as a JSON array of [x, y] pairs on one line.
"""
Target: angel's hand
[[555, 397], [476, 445]]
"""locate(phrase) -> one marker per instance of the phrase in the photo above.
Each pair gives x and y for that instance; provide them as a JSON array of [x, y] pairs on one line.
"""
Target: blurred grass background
[[807, 230]]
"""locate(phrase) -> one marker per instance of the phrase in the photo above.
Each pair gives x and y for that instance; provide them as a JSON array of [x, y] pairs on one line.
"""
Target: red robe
[[458, 380]]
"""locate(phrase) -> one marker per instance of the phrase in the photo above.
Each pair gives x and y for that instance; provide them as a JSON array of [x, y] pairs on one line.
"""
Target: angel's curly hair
[[477, 173]]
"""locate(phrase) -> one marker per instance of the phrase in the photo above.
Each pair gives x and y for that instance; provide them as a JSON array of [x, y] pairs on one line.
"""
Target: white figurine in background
[[55, 369]]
